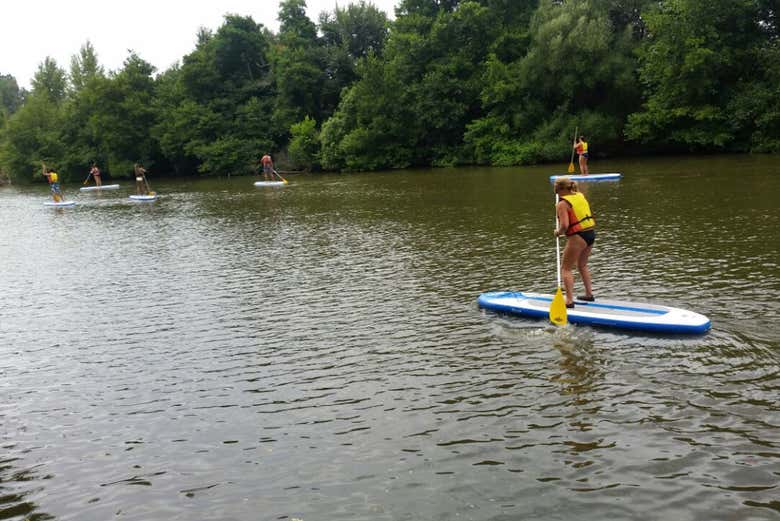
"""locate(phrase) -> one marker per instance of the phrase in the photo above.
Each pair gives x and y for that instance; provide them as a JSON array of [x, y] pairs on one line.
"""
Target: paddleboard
[[607, 313], [590, 177], [143, 197], [270, 183], [61, 203], [97, 188]]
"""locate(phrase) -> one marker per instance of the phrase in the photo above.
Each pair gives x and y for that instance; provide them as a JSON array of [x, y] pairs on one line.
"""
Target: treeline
[[498, 82]]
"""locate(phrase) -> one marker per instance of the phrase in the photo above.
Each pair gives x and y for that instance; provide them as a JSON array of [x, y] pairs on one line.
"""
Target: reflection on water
[[316, 352]]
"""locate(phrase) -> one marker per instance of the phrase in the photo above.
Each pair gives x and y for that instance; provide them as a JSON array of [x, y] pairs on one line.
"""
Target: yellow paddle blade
[[558, 309], [571, 168]]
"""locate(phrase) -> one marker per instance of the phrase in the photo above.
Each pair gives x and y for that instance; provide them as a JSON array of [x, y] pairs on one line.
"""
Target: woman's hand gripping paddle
[[558, 305]]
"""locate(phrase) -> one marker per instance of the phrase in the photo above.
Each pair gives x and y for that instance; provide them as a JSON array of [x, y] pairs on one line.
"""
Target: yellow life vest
[[580, 217], [53, 177]]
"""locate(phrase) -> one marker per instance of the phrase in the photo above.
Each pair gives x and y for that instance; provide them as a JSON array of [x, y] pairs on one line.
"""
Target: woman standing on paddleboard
[[53, 178], [581, 147], [576, 222], [141, 187], [95, 173]]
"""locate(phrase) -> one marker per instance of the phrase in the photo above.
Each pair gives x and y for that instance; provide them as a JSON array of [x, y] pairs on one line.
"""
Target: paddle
[[88, 176], [571, 162], [146, 182], [148, 188], [280, 177], [558, 305]]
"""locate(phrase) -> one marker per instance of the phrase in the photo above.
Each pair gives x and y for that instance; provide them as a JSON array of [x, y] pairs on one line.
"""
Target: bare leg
[[583, 165], [582, 266], [575, 245]]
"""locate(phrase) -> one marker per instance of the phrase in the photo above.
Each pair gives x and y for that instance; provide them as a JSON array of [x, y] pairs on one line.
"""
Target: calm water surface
[[315, 352]]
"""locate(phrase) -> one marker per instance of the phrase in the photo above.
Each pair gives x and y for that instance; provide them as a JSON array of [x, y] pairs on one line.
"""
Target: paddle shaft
[[557, 242], [571, 161], [279, 175]]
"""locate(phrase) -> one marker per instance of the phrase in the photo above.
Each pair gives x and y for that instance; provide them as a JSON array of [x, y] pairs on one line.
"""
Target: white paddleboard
[[607, 313], [61, 203], [98, 188], [270, 183], [590, 177], [146, 197]]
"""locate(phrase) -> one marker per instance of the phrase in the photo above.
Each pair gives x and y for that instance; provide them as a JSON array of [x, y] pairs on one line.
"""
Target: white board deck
[[60, 204], [142, 197], [98, 188], [590, 177], [270, 183], [607, 313]]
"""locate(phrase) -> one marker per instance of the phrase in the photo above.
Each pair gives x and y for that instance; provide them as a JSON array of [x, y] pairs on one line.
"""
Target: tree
[[50, 80], [348, 35], [11, 97], [111, 119], [695, 62], [84, 67], [305, 145], [30, 136], [576, 69], [293, 22], [215, 109]]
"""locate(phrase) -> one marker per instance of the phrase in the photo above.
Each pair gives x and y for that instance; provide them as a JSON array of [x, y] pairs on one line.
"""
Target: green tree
[[32, 135], [110, 120], [348, 35], [215, 109], [299, 69], [698, 60], [305, 145], [84, 67], [50, 80], [11, 97], [576, 69], [293, 21]]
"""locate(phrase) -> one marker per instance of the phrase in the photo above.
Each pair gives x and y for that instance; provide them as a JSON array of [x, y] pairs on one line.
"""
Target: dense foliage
[[499, 82]]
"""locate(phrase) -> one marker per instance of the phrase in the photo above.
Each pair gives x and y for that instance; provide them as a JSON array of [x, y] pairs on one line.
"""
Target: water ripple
[[316, 352]]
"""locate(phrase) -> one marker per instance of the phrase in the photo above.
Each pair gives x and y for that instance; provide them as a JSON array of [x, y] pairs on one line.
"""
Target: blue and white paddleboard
[[59, 204], [590, 177], [98, 188], [606, 313], [270, 183], [147, 197]]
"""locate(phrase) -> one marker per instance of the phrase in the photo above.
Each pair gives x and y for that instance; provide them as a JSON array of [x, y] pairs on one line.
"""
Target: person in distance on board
[[268, 167], [95, 172], [581, 147], [141, 187], [53, 178], [575, 221]]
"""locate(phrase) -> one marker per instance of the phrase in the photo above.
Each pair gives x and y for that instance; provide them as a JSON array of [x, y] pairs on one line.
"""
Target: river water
[[315, 352]]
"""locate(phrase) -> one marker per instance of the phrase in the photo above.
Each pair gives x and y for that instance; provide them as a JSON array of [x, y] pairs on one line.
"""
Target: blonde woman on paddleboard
[[575, 221], [581, 147]]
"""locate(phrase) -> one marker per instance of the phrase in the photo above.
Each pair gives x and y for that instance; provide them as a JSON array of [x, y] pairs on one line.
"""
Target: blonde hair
[[565, 183]]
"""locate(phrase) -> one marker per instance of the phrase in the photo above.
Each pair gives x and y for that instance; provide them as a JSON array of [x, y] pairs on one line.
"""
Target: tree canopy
[[497, 82]]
